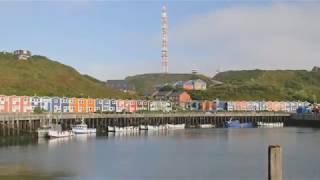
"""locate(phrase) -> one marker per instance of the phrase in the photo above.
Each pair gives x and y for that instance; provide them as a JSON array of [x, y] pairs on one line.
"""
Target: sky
[[115, 39]]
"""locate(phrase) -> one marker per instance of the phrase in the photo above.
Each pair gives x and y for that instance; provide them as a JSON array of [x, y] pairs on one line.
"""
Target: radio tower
[[164, 40]]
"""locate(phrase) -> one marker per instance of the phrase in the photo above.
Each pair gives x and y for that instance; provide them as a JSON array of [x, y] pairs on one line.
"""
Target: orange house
[[82, 105], [180, 98], [91, 105]]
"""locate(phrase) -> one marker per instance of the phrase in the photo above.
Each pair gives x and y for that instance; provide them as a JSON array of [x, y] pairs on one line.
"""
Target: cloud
[[278, 36]]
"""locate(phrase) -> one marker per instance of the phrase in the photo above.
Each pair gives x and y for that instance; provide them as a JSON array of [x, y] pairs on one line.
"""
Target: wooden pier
[[12, 124]]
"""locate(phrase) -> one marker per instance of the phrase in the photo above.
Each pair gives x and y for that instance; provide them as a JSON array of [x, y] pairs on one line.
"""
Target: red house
[[180, 98]]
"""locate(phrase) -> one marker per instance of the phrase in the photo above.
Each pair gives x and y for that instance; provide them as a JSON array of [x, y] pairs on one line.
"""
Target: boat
[[207, 126], [274, 124], [57, 132], [124, 129], [111, 129], [83, 128], [143, 127], [236, 124], [176, 126], [43, 131]]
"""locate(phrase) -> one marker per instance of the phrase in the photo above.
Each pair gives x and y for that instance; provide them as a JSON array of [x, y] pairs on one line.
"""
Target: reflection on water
[[178, 154]]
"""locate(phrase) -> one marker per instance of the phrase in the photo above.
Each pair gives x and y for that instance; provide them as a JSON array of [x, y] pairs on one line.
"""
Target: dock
[[12, 124]]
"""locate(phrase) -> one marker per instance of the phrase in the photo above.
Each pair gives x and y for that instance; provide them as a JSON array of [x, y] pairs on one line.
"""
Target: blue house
[[64, 104], [99, 105], [113, 105], [35, 102], [56, 104]]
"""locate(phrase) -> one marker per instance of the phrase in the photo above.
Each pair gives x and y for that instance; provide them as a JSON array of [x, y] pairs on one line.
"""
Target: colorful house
[[14, 104], [199, 84], [91, 106], [35, 102], [99, 105], [46, 104], [113, 106], [73, 104], [106, 105], [56, 104], [120, 106], [180, 98], [4, 103], [64, 104], [83, 104]]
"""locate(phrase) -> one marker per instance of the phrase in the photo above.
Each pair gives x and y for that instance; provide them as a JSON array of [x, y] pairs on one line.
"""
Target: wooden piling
[[274, 162]]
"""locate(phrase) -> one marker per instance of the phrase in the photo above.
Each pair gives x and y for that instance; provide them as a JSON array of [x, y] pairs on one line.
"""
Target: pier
[[12, 124]]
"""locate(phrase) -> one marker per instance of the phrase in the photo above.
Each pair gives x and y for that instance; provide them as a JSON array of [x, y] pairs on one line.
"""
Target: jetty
[[19, 123]]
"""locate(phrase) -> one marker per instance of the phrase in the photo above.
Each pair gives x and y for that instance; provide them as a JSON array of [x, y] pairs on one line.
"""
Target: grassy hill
[[265, 84], [41, 76], [146, 82]]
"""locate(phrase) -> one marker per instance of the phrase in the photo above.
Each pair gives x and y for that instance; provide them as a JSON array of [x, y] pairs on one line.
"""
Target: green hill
[[146, 82], [265, 84], [41, 76]]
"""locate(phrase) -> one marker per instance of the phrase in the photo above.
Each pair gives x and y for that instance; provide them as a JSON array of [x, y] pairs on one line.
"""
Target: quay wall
[[305, 120], [17, 123]]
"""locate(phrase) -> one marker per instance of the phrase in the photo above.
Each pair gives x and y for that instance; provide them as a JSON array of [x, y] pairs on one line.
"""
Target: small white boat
[[152, 128], [176, 126], [83, 128], [207, 126], [126, 129], [143, 127], [111, 129], [275, 124], [59, 134]]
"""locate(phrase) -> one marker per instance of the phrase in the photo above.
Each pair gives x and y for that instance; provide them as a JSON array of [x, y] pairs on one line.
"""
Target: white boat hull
[[207, 126], [59, 134], [176, 126], [126, 129], [263, 124], [84, 131]]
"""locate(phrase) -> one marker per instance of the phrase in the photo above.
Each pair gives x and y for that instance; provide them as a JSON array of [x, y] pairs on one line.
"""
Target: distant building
[[22, 54], [121, 85], [180, 98], [197, 84]]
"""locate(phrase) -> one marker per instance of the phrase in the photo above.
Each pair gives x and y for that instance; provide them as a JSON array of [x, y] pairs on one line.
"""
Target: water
[[179, 154]]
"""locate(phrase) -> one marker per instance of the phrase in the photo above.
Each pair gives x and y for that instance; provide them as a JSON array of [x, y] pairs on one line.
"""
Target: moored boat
[[176, 126], [273, 124], [236, 124], [143, 127], [83, 128], [59, 134], [43, 131], [207, 126]]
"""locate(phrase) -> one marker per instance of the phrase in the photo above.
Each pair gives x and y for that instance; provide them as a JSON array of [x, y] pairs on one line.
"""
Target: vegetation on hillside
[[147, 82], [265, 85], [40, 76]]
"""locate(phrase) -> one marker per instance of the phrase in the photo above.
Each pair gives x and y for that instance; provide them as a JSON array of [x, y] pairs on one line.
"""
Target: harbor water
[[177, 154]]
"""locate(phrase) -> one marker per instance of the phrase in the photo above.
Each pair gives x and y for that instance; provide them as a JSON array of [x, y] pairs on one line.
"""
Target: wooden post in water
[[274, 162]]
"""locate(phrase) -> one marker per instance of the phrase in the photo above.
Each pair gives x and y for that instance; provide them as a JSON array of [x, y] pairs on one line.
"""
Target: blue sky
[[111, 40]]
